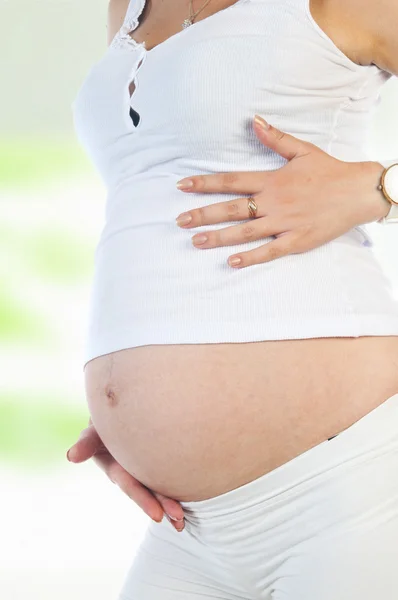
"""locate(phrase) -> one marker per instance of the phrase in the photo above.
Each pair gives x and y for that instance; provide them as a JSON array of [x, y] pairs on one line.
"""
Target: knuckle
[[199, 182], [287, 249], [227, 179], [304, 242], [289, 246], [201, 212], [301, 245], [248, 231], [275, 252], [232, 210]]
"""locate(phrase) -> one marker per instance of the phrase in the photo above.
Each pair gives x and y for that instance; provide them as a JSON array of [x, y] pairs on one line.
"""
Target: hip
[[322, 526]]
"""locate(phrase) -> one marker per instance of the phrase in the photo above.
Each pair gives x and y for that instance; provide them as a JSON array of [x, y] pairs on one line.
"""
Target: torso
[[161, 20], [193, 421]]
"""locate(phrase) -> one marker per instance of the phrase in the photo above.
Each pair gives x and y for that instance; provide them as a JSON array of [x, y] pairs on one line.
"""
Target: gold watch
[[389, 187]]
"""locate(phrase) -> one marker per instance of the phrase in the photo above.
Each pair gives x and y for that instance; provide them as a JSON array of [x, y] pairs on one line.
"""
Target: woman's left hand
[[313, 199]]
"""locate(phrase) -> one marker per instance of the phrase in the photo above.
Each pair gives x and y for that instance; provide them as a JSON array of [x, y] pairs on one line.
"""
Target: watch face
[[390, 183], [392, 216]]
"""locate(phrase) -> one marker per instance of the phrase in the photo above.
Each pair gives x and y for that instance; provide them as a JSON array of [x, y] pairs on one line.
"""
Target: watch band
[[392, 215]]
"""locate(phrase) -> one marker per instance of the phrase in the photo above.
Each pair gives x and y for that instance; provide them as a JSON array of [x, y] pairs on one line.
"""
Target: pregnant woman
[[257, 400]]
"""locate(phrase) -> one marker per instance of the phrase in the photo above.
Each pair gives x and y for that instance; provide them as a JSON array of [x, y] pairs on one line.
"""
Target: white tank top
[[196, 95]]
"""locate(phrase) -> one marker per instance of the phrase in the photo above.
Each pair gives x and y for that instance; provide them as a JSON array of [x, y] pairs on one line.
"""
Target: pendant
[[186, 23]]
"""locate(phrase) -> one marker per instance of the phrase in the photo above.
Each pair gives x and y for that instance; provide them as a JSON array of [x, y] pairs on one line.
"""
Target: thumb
[[86, 446], [283, 143]]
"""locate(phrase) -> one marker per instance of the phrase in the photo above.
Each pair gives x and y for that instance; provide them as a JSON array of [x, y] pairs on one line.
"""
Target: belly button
[[110, 394]]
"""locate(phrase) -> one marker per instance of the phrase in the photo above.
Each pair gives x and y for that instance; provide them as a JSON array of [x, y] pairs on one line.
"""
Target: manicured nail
[[261, 122], [184, 184], [183, 219], [157, 520], [234, 261], [177, 523], [70, 455], [201, 238]]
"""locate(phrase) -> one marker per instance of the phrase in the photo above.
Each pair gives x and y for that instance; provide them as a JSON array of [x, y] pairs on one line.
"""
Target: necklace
[[192, 15]]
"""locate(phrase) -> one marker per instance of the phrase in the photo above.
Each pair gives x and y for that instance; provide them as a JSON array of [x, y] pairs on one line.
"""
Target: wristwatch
[[389, 187]]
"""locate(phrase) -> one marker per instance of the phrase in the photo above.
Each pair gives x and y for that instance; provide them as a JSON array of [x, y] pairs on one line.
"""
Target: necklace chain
[[193, 15]]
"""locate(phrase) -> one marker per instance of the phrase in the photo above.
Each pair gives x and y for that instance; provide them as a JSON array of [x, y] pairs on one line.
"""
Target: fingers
[[153, 504], [235, 182], [220, 212], [135, 490], [172, 507], [236, 234], [281, 142], [90, 445], [86, 446], [285, 244]]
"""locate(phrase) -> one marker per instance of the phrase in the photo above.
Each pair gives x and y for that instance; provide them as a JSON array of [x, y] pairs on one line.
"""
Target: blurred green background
[[67, 532], [47, 237]]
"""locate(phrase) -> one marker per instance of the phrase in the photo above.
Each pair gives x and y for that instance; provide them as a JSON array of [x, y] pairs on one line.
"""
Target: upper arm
[[385, 15], [379, 22], [116, 12]]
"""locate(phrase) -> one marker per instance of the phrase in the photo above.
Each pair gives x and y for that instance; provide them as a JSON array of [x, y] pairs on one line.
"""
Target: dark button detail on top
[[134, 116]]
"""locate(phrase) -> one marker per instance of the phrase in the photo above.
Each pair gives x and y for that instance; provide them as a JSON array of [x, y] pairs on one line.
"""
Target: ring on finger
[[252, 206]]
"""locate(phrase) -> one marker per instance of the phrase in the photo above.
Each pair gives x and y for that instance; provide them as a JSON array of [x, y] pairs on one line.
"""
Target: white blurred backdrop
[[66, 531]]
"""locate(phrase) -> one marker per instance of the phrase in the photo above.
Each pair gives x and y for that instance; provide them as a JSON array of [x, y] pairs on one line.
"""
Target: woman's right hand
[[90, 445]]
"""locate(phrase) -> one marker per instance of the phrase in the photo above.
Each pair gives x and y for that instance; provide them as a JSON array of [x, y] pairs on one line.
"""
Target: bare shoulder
[[116, 12], [366, 29], [381, 19], [342, 23]]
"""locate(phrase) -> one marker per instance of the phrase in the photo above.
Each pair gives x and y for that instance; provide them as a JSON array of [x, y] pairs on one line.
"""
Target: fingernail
[[184, 219], [184, 184], [261, 122], [235, 261], [201, 238], [158, 520], [69, 454], [175, 518]]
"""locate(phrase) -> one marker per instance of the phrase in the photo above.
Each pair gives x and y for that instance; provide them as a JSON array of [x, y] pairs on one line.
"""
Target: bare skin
[[193, 421]]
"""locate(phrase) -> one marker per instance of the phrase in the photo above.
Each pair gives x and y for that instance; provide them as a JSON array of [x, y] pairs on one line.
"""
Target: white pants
[[323, 526]]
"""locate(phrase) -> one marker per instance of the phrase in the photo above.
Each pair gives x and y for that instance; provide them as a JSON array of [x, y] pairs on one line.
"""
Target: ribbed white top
[[196, 95]]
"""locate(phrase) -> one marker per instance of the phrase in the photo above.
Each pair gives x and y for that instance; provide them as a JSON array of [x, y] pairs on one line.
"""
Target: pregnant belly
[[193, 421]]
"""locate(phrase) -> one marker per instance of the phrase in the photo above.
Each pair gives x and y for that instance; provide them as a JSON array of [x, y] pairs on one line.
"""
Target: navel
[[112, 399]]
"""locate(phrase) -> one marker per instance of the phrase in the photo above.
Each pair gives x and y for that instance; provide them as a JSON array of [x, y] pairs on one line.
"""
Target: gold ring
[[252, 206]]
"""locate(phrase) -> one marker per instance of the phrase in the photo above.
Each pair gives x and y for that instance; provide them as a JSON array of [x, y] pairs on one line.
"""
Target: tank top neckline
[[123, 40]]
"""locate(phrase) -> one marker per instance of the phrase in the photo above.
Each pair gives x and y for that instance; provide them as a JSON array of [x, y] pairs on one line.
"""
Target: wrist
[[379, 206]]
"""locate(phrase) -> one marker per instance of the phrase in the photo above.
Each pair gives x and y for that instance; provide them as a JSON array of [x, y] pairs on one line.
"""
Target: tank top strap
[[133, 13]]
